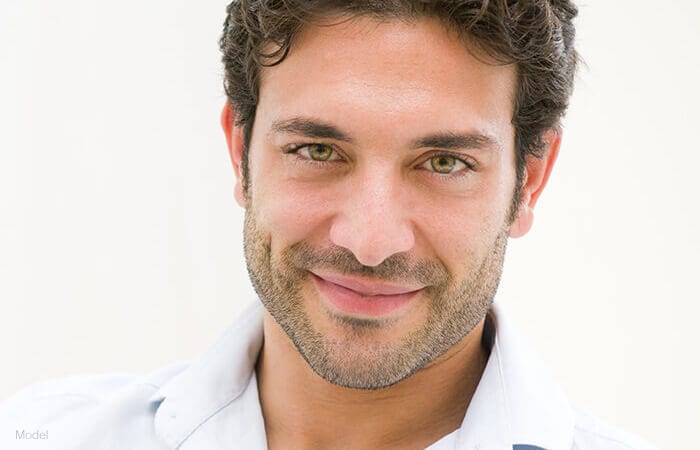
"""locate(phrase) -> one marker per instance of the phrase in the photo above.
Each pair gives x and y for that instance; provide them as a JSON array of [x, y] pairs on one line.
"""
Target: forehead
[[408, 74]]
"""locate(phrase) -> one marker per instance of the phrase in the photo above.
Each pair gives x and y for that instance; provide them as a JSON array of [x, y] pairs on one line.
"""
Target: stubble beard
[[454, 308]]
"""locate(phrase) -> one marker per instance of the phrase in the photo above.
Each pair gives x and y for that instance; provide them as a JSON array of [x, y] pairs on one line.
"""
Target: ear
[[234, 140], [537, 172]]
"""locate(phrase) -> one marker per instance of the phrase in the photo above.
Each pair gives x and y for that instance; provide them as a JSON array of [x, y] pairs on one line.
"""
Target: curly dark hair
[[535, 35]]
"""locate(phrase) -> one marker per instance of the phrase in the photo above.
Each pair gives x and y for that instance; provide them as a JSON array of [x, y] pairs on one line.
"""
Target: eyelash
[[294, 149], [470, 166]]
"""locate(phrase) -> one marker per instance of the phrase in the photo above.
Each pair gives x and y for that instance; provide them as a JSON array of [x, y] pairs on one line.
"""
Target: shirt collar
[[516, 402], [211, 382]]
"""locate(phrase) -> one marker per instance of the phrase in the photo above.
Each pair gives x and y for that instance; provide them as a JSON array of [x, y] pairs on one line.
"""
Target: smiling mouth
[[361, 298]]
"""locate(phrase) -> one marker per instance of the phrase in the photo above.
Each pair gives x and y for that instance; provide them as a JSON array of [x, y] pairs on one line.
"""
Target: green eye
[[443, 163], [320, 152]]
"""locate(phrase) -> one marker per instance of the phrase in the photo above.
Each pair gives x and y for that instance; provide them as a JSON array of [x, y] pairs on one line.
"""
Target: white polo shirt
[[212, 403]]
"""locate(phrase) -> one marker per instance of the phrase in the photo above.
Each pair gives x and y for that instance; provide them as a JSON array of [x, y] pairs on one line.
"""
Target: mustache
[[302, 257]]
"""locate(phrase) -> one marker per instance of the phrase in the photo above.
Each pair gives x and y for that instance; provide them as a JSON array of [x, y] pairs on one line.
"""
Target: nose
[[373, 222]]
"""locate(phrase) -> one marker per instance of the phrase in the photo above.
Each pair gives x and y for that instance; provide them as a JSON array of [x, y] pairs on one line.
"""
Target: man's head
[[384, 153]]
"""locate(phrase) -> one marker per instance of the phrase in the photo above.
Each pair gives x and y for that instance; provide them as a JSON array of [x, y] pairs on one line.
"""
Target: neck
[[304, 411]]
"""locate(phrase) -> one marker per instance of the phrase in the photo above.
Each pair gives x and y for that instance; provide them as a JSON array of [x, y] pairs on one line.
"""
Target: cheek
[[454, 236], [462, 231], [290, 212]]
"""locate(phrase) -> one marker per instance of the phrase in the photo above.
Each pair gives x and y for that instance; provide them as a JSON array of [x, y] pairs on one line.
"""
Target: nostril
[[371, 241]]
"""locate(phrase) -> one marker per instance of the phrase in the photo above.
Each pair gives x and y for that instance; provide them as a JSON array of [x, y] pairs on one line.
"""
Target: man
[[384, 153]]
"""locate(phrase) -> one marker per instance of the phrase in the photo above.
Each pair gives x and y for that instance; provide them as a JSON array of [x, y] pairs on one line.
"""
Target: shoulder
[[75, 390], [71, 408], [591, 433]]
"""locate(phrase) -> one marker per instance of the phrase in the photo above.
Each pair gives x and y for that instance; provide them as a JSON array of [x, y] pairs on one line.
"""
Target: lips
[[367, 288], [363, 298]]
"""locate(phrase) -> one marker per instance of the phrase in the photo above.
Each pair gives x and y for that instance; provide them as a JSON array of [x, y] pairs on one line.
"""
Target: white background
[[120, 242]]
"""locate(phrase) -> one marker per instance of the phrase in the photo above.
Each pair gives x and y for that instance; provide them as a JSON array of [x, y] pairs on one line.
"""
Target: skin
[[379, 211]]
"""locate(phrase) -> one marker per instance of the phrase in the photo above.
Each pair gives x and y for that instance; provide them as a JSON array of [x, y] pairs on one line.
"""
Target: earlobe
[[537, 171], [522, 223], [234, 141]]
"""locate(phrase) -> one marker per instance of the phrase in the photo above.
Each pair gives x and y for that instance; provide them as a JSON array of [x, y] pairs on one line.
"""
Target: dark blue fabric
[[527, 447]]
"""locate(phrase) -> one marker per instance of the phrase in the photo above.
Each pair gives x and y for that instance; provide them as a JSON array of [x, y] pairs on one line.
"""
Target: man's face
[[381, 173]]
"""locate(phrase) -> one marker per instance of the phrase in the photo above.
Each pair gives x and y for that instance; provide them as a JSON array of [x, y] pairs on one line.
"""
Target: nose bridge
[[373, 194], [374, 222]]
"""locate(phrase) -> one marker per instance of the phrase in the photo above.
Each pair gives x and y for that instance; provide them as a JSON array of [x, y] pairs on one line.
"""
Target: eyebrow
[[318, 129], [310, 128], [454, 141]]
